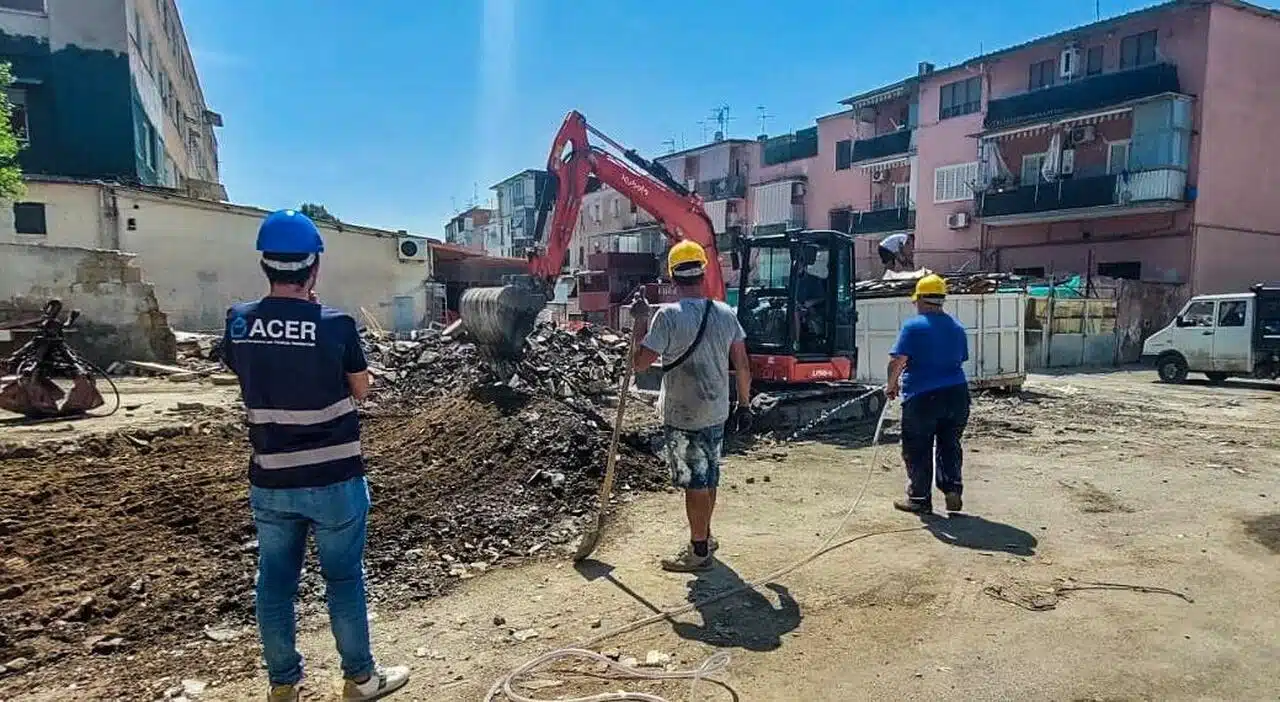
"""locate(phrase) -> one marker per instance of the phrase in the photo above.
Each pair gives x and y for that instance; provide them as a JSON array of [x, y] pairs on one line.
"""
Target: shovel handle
[[606, 485]]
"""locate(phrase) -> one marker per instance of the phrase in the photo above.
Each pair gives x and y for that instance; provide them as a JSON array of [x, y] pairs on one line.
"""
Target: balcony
[[1093, 93], [1157, 190], [794, 219], [882, 221], [731, 187], [883, 146]]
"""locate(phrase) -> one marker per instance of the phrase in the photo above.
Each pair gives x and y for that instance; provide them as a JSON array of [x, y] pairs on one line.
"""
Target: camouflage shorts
[[694, 456]]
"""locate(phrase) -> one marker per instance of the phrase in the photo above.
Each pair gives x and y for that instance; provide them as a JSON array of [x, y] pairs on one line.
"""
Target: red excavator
[[795, 301]]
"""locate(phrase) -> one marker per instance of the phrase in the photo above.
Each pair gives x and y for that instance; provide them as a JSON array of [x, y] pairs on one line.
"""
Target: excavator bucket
[[498, 320], [83, 397], [31, 397]]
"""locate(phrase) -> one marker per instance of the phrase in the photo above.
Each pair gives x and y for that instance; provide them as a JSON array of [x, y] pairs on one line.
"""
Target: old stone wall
[[120, 316]]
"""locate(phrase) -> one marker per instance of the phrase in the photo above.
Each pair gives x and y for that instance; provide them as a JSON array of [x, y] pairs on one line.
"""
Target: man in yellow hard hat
[[926, 367], [694, 339]]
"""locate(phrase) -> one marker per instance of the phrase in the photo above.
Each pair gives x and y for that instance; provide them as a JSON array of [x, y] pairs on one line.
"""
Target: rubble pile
[[957, 284], [585, 364]]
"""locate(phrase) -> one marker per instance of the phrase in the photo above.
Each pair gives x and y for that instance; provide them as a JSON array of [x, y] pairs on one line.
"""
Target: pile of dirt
[[139, 546]]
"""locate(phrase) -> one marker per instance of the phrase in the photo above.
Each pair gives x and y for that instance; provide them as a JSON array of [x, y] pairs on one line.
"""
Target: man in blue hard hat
[[301, 371]]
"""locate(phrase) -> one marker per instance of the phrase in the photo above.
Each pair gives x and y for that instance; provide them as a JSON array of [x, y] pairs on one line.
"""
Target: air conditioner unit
[[1068, 164], [1083, 135], [958, 220], [879, 176], [411, 248], [1069, 62]]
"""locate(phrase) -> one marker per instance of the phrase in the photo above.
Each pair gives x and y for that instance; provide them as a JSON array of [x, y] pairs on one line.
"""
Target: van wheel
[[1172, 368], [1217, 378]]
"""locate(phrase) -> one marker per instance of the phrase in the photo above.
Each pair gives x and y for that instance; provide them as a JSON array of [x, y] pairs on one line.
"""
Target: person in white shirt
[[895, 251]]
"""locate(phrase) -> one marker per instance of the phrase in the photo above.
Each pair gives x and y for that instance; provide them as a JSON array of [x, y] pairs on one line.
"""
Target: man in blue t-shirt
[[302, 370], [926, 367]]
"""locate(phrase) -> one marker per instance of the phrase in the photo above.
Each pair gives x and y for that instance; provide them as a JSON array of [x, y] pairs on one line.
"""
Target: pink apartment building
[[1136, 147]]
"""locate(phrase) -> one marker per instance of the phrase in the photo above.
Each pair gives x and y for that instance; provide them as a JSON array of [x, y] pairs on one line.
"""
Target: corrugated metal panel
[[771, 203], [995, 324], [716, 212]]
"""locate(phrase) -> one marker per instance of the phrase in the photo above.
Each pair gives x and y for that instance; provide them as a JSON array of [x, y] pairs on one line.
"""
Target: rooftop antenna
[[764, 118], [702, 124], [670, 145], [720, 116], [1097, 10]]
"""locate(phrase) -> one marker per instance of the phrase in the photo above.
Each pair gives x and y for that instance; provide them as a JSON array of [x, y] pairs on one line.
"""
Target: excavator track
[[815, 408]]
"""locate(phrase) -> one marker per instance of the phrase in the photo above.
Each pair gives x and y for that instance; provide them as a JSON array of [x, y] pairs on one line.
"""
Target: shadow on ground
[[969, 531], [746, 619]]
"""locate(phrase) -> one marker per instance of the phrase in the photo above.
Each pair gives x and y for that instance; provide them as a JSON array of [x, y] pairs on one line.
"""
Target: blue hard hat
[[289, 232]]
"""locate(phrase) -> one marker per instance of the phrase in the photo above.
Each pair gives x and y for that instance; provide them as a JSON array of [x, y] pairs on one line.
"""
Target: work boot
[[687, 561], [913, 506], [954, 503], [284, 693], [383, 682]]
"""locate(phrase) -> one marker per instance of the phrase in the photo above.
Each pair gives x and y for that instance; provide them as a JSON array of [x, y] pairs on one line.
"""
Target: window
[[1031, 272], [23, 5], [1129, 270], [595, 213], [1198, 314], [1031, 167], [1117, 156], [1042, 73], [633, 206], [954, 183], [1138, 50], [1093, 61], [962, 97], [1231, 313], [614, 206], [844, 154], [18, 114], [28, 218], [901, 196]]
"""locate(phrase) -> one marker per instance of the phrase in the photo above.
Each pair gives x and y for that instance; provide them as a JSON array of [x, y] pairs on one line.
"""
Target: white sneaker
[[383, 682]]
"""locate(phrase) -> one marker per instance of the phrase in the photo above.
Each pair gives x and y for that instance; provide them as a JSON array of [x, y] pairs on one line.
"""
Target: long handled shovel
[[591, 538]]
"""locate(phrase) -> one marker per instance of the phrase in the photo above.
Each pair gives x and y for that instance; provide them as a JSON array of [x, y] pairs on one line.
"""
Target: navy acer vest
[[292, 358]]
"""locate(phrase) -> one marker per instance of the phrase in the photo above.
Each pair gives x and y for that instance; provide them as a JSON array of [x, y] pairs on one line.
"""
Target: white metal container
[[995, 323]]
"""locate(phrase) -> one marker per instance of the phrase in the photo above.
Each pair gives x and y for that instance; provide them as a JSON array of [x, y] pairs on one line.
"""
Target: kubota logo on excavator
[[635, 185]]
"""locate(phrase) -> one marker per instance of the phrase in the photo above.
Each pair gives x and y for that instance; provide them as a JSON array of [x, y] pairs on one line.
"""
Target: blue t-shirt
[[292, 358], [936, 348]]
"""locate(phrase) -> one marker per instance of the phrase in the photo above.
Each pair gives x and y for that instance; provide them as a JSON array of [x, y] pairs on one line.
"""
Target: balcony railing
[[1091, 93], [883, 146], [723, 188], [1129, 190], [881, 221]]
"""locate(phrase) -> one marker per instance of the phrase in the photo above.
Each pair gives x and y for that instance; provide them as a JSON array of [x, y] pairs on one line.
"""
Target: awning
[[884, 165]]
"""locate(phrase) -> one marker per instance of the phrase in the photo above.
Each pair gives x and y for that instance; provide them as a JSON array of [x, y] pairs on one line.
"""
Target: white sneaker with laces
[[383, 682]]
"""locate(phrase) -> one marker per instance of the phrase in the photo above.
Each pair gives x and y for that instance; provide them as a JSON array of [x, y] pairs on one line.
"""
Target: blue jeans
[[932, 425], [337, 513]]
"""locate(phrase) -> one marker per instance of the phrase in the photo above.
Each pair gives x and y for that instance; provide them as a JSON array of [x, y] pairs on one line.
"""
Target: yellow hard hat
[[683, 254], [931, 285]]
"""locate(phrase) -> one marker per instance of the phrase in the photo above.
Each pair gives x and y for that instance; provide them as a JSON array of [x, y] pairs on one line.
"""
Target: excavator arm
[[576, 168], [499, 319]]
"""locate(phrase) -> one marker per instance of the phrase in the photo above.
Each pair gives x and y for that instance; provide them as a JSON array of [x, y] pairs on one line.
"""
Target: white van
[[1222, 336]]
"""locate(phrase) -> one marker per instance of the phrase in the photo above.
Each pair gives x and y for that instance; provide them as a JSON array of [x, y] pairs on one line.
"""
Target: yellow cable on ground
[[720, 660]]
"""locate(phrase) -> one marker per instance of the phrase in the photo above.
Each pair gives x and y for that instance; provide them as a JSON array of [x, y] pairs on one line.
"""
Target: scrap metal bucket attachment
[[83, 397], [498, 320], [31, 397]]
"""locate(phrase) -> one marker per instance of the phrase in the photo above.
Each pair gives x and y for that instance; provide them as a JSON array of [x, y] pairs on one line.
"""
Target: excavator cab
[[796, 304]]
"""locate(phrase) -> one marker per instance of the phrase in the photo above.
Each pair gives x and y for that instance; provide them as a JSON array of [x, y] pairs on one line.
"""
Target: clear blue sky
[[394, 113]]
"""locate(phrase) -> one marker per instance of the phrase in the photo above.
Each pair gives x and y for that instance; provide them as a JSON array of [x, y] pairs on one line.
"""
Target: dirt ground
[[1083, 479], [144, 403]]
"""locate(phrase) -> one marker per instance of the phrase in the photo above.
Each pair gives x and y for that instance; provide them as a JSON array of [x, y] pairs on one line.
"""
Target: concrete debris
[[525, 634], [656, 659]]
